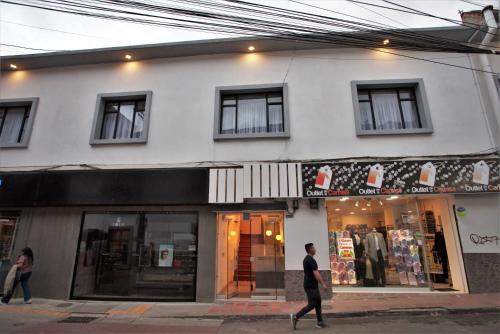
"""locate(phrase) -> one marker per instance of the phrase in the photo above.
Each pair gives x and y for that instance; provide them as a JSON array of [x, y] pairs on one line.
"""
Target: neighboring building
[[198, 170]]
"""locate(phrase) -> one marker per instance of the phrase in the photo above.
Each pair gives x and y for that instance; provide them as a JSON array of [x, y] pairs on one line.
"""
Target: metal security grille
[[260, 180]]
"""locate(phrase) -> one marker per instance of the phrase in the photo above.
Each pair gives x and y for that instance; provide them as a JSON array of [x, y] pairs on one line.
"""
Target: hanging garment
[[10, 279]]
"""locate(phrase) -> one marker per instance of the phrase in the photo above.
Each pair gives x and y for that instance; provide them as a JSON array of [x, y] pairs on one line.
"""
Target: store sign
[[346, 248], [401, 177]]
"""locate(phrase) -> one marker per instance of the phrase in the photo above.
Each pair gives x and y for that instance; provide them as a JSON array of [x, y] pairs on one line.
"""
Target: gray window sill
[[19, 145], [424, 131], [223, 137], [98, 142]]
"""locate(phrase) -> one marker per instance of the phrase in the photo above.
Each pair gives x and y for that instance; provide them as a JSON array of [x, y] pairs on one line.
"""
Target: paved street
[[439, 323], [442, 324]]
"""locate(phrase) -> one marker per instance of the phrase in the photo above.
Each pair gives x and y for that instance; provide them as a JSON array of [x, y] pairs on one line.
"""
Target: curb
[[357, 314]]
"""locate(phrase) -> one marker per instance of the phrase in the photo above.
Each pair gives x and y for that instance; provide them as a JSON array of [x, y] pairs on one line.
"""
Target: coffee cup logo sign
[[400, 177], [324, 178], [427, 174], [481, 173]]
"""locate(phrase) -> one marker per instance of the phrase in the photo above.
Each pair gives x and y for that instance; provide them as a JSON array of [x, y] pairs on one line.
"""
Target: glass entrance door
[[250, 255], [268, 256]]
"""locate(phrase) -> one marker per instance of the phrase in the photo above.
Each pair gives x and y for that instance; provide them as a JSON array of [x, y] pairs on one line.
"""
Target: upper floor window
[[121, 118], [391, 107], [251, 112], [16, 121]]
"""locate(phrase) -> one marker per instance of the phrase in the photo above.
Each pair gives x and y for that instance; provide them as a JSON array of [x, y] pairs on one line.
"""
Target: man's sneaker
[[321, 325], [29, 301], [293, 320]]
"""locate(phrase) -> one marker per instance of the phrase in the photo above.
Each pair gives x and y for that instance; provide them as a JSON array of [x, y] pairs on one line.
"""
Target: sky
[[41, 29]]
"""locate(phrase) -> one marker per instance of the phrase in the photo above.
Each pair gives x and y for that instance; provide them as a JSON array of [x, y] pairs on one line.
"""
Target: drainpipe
[[490, 80]]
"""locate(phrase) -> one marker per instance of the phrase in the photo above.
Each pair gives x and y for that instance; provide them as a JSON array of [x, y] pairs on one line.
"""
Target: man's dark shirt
[[310, 265]]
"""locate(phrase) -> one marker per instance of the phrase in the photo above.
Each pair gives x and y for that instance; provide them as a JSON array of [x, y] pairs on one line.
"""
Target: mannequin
[[440, 249], [377, 251], [359, 249]]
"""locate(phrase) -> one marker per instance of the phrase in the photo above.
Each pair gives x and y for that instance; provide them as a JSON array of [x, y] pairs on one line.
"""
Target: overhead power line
[[56, 30], [28, 48], [259, 20]]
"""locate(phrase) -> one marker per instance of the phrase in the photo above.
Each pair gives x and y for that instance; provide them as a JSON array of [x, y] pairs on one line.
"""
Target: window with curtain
[[252, 113], [123, 119], [388, 109], [13, 123]]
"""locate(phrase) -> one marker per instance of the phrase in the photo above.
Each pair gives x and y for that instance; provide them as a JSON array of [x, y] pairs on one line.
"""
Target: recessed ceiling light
[[364, 209], [409, 211], [128, 57], [351, 213], [343, 199], [13, 66], [251, 48], [337, 209], [386, 41]]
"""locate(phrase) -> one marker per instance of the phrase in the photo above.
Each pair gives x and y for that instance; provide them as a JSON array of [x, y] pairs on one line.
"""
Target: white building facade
[[192, 171]]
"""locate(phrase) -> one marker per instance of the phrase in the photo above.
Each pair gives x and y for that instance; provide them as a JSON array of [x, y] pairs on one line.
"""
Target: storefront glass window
[[376, 242], [137, 255]]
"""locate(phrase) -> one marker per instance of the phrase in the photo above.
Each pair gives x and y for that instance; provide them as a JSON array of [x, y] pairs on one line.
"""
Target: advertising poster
[[400, 177], [165, 255], [346, 248]]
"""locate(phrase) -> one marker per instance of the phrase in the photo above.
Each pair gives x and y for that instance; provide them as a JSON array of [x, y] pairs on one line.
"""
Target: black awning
[[105, 187]]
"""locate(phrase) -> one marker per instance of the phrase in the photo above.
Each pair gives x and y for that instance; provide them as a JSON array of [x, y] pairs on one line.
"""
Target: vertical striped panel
[[212, 186], [239, 185], [299, 180], [264, 173], [292, 180], [221, 187], [230, 185], [247, 181], [256, 181], [274, 179], [283, 180]]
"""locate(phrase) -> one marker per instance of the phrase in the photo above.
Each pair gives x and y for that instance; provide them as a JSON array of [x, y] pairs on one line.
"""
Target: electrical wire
[[30, 48], [258, 20]]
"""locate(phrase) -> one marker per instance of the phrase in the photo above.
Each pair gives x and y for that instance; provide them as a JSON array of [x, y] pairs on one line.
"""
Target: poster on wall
[[166, 255], [394, 177]]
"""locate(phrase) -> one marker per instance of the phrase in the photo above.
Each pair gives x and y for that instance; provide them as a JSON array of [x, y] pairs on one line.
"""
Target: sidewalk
[[342, 305]]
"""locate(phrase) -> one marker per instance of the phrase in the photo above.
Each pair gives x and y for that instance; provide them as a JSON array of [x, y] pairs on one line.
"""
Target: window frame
[[97, 124], [222, 91], [423, 112], [30, 104]]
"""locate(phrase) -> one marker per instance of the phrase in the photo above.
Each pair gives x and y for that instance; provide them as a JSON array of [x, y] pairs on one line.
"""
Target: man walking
[[311, 279]]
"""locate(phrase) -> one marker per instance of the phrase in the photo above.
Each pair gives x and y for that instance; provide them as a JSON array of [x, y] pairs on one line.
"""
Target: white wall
[[482, 218], [321, 110], [306, 226]]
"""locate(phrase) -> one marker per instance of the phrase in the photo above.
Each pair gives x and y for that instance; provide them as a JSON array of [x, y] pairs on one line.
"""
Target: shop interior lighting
[[233, 233], [278, 237], [356, 204], [269, 233], [251, 48], [386, 41], [13, 66], [380, 202], [364, 209], [337, 209], [343, 199], [128, 57], [351, 213]]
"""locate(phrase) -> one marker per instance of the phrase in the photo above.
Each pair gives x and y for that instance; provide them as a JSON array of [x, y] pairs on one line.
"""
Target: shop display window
[[137, 255], [377, 242]]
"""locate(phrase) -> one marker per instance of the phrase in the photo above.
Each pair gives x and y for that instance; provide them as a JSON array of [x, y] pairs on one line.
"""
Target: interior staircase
[[244, 264]]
